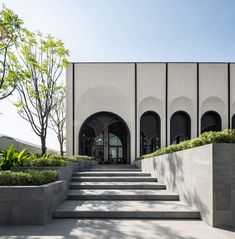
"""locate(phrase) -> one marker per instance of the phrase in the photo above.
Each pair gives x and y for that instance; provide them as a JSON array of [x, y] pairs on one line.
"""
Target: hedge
[[29, 177], [226, 136], [73, 157], [45, 162]]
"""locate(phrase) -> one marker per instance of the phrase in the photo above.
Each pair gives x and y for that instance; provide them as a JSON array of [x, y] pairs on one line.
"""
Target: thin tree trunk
[[61, 148], [43, 145]]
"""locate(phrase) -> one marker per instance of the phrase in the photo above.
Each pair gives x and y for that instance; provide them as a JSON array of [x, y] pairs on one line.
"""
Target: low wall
[[204, 178], [6, 142], [30, 205]]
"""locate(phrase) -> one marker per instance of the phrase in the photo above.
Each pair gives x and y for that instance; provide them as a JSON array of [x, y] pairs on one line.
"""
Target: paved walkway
[[118, 229]]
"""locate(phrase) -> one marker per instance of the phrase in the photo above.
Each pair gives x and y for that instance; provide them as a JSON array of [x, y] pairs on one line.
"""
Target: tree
[[43, 59], [10, 35], [58, 118]]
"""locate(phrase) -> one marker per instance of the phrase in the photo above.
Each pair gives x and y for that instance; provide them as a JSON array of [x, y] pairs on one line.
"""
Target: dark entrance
[[105, 136], [180, 127], [210, 121], [149, 132]]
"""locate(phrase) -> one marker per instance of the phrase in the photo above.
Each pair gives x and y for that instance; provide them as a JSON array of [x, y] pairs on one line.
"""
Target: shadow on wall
[[172, 171]]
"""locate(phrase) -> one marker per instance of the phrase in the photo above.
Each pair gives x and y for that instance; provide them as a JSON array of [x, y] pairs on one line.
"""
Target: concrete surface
[[117, 229], [204, 177], [30, 205], [117, 185]]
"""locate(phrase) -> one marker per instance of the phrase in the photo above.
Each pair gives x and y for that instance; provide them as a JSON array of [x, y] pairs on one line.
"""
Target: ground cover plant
[[226, 136], [29, 177]]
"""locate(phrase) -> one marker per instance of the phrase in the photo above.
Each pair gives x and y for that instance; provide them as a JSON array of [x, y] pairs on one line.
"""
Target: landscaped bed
[[226, 136], [30, 177]]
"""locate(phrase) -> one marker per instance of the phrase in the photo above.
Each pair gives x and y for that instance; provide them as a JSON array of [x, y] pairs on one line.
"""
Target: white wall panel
[[213, 90], [182, 92], [69, 105], [105, 87], [151, 94]]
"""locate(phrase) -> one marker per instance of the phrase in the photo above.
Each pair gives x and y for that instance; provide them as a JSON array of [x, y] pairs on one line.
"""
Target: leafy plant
[[11, 158], [30, 177], [226, 136]]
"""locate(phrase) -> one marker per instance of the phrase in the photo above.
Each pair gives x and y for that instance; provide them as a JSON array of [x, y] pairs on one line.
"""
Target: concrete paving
[[117, 229]]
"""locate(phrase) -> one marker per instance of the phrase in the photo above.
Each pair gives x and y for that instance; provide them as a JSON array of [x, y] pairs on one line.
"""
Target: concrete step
[[118, 167], [112, 174], [125, 209], [112, 169], [121, 195], [113, 179], [117, 185]]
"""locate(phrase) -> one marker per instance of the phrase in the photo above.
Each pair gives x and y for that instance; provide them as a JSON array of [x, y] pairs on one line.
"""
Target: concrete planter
[[30, 205], [204, 177]]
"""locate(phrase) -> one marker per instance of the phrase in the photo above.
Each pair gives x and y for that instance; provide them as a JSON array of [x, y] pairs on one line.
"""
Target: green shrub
[[29, 177], [45, 162], [72, 157], [226, 136]]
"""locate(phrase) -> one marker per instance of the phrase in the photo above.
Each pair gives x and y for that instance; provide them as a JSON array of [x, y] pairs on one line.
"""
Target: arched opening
[[210, 121], [150, 137], [180, 127], [233, 122], [106, 137]]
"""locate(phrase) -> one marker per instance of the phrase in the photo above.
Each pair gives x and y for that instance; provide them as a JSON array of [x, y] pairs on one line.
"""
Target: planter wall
[[30, 205], [204, 177]]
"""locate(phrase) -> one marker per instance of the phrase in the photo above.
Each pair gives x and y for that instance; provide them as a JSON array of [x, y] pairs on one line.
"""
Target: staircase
[[123, 191]]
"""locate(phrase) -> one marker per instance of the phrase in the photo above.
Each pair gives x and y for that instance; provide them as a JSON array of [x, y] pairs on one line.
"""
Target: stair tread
[[125, 177], [111, 173], [119, 192], [126, 206], [117, 183]]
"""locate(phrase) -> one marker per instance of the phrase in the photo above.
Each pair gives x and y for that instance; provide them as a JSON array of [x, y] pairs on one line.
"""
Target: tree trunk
[[43, 145], [61, 148]]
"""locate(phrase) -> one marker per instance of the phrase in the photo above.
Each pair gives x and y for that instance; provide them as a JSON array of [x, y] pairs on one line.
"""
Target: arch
[[180, 127], [105, 136], [104, 98], [182, 103], [150, 132], [211, 121], [150, 103]]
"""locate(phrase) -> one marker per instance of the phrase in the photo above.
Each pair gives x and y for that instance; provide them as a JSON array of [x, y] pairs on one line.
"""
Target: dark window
[[233, 122], [149, 132], [210, 121], [180, 127], [105, 136]]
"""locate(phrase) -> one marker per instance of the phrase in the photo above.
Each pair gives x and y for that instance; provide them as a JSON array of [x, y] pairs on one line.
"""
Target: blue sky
[[127, 30]]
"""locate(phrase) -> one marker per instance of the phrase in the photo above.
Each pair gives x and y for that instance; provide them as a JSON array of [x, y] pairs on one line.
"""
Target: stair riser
[[112, 174], [121, 187], [131, 215], [125, 197], [114, 180]]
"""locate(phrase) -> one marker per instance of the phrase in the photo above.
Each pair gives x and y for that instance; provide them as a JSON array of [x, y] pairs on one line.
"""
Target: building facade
[[119, 111]]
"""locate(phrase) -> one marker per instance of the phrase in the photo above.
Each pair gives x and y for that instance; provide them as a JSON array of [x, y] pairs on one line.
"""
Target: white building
[[118, 111]]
